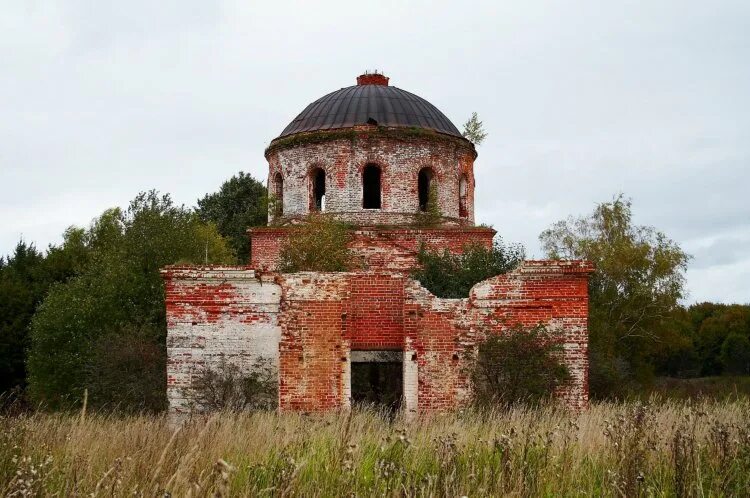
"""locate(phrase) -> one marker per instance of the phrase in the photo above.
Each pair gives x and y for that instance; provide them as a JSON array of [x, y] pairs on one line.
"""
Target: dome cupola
[[372, 101], [372, 154]]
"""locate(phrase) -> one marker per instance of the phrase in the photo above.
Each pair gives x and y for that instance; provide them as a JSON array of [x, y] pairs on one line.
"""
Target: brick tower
[[373, 155]]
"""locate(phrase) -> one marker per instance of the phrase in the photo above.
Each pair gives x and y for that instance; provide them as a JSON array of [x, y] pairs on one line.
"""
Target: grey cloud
[[582, 100]]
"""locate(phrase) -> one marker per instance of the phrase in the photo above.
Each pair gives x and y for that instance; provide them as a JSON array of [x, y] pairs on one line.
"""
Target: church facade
[[379, 158]]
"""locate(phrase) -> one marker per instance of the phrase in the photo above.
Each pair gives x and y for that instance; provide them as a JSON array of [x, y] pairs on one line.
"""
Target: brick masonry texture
[[308, 323], [376, 248], [216, 313], [400, 160]]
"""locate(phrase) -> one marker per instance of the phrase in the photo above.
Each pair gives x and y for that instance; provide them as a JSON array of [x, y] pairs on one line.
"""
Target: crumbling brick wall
[[376, 248], [318, 319], [399, 159], [216, 313]]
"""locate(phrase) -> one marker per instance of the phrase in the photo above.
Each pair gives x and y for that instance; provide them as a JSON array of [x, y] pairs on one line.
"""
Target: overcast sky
[[581, 99]]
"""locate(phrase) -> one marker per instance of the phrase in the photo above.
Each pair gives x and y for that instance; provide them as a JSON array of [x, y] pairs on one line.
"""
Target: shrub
[[522, 365], [735, 354], [450, 275], [111, 314], [319, 244], [127, 370], [227, 387]]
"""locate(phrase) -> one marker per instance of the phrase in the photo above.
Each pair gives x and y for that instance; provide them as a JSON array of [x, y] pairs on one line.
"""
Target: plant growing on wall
[[521, 366], [474, 130], [432, 214], [450, 275], [319, 244]]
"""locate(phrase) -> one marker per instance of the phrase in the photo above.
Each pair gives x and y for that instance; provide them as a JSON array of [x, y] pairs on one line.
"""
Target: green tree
[[735, 354], [474, 130], [639, 280], [318, 244], [104, 329], [714, 323], [20, 292], [240, 203], [24, 281], [522, 365], [449, 275]]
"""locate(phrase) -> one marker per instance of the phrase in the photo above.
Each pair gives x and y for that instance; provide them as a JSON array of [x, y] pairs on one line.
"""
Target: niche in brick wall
[[463, 194]]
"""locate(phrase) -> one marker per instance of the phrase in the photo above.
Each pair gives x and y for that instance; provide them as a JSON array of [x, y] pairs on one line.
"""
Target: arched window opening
[[318, 198], [424, 181], [371, 187], [278, 192], [463, 192]]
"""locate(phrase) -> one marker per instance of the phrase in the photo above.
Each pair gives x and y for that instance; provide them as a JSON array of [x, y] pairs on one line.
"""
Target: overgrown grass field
[[654, 449]]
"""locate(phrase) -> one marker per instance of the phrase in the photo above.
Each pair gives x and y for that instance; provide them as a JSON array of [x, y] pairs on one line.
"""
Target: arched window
[[318, 190], [424, 181], [371, 187], [278, 192], [463, 192]]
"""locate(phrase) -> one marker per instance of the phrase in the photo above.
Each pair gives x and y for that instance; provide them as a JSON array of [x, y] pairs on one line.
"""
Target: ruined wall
[[327, 315], [550, 292], [309, 323], [379, 249], [216, 313], [399, 160]]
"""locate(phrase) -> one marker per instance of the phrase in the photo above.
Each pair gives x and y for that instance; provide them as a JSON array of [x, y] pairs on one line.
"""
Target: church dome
[[371, 101]]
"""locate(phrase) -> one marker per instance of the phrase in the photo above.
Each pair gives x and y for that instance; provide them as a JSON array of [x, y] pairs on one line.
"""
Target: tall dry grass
[[656, 449]]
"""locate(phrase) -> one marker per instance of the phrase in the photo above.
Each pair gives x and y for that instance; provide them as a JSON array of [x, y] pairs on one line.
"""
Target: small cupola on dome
[[375, 78]]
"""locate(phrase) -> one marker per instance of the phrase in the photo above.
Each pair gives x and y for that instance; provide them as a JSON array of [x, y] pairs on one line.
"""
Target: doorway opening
[[377, 379]]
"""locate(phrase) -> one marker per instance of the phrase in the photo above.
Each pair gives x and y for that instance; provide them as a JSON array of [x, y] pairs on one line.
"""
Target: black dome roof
[[371, 101]]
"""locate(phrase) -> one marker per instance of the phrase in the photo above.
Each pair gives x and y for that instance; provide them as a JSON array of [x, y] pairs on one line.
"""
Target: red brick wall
[[326, 315], [376, 312], [215, 314], [391, 249], [313, 351], [399, 158], [554, 293]]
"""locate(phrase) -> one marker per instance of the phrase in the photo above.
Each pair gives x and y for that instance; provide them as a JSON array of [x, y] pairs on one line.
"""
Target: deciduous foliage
[[639, 280], [521, 366], [318, 244], [450, 275], [104, 329], [474, 130], [24, 280], [735, 354], [240, 203]]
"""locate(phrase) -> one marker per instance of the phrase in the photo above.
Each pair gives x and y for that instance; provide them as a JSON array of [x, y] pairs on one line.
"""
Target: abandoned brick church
[[369, 154]]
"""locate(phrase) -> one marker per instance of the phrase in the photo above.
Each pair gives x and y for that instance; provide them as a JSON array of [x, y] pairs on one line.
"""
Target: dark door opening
[[378, 384]]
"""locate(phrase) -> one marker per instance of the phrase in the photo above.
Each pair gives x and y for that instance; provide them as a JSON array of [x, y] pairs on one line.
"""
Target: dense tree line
[[87, 315]]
